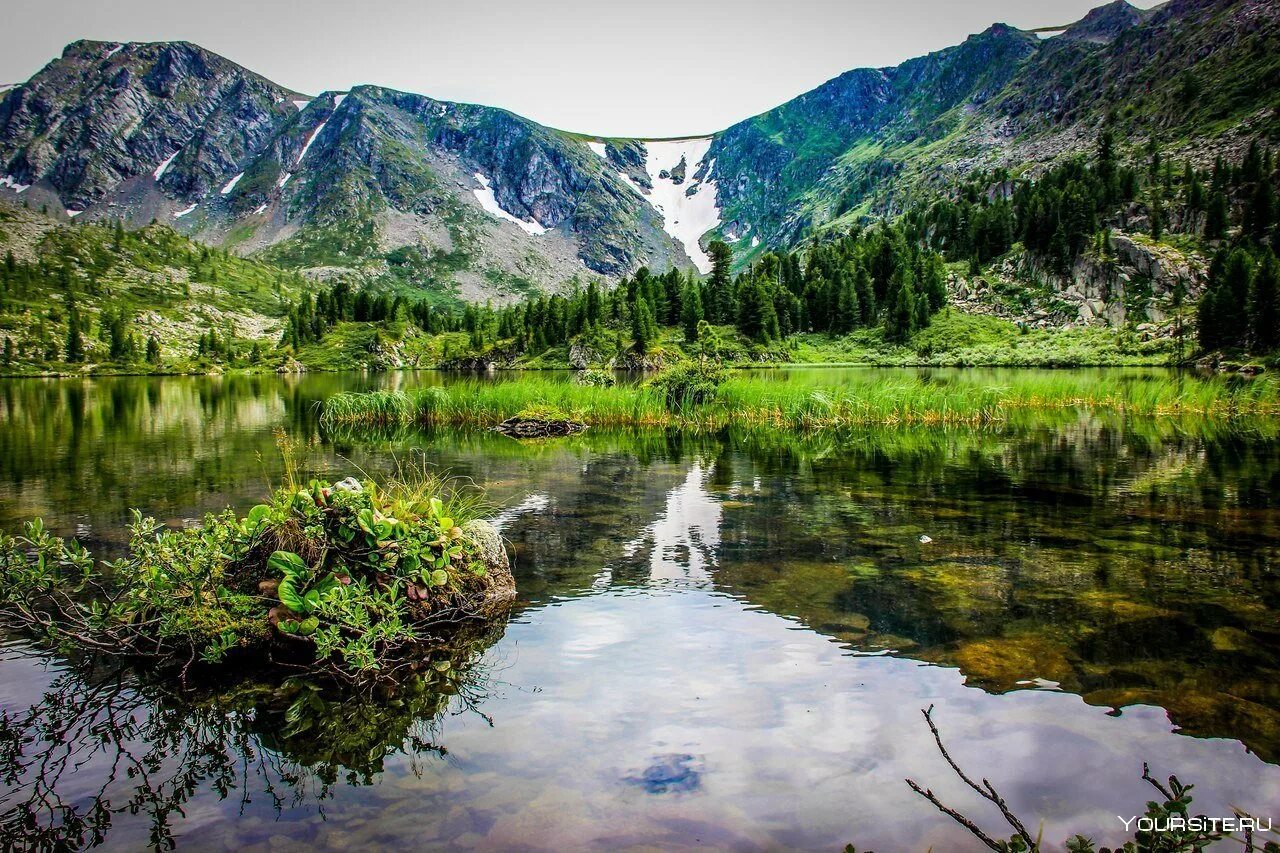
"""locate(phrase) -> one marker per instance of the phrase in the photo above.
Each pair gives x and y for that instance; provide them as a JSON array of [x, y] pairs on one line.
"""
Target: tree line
[[866, 277]]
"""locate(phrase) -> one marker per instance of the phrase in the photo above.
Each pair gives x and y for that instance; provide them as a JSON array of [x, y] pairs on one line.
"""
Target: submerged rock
[[530, 427]]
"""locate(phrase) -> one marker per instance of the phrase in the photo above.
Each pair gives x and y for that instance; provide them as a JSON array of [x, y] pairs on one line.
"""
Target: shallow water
[[721, 640]]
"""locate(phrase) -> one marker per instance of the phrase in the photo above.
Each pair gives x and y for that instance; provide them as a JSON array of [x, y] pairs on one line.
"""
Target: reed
[[867, 399]]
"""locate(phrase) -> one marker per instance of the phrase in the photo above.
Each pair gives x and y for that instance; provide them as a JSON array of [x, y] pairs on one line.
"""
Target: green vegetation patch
[[344, 580]]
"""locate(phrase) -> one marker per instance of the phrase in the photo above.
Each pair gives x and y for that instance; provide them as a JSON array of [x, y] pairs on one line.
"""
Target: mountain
[[1199, 76], [476, 202], [481, 199]]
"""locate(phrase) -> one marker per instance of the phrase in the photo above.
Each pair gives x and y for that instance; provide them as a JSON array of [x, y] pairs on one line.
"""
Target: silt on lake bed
[[722, 637]]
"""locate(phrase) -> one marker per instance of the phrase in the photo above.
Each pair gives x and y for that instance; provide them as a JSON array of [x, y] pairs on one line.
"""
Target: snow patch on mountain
[[231, 184], [301, 105], [8, 181], [489, 202], [160, 170], [689, 208], [185, 211], [306, 146], [597, 147]]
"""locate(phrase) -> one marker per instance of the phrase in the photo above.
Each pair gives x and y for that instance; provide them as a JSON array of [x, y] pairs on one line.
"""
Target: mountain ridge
[[484, 203]]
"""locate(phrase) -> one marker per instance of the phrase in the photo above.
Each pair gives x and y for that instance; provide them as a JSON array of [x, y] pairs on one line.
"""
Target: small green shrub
[[688, 384], [348, 570], [595, 378]]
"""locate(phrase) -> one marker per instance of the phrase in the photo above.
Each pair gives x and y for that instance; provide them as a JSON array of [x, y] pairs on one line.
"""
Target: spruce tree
[[644, 329], [757, 318], [691, 313], [1215, 226], [848, 311], [74, 350], [1260, 211], [900, 313], [1264, 304], [153, 350], [724, 306]]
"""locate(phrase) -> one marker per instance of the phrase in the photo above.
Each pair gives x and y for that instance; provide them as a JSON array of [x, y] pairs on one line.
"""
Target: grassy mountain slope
[[1200, 76], [159, 283]]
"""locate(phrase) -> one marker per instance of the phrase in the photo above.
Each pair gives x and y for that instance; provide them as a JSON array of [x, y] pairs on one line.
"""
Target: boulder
[[500, 590]]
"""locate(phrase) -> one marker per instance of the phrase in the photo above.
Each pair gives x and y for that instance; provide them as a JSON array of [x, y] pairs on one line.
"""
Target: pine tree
[[8, 351], [153, 350], [1156, 210], [1264, 304], [848, 311], [866, 296], [74, 350], [900, 314], [1215, 226], [1260, 211], [691, 314], [723, 307], [1223, 311], [644, 329], [757, 318]]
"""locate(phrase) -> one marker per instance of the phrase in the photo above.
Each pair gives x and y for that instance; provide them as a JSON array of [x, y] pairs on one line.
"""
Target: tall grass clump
[[702, 397], [381, 408]]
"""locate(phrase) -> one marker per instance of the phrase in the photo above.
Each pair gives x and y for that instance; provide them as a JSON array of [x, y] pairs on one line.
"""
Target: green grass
[[966, 340], [863, 399]]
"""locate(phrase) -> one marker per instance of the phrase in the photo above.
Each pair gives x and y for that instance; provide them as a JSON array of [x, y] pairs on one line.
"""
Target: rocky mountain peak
[[1104, 23]]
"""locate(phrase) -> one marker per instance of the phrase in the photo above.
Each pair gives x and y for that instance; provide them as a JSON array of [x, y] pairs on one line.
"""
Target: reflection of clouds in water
[[533, 503], [796, 742], [684, 538]]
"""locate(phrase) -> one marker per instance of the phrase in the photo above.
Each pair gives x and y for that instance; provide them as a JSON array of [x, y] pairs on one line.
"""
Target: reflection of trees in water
[[170, 445], [1130, 563], [148, 751]]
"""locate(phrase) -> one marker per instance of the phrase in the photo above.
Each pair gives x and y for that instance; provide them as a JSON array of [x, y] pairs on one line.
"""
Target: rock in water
[[501, 588], [524, 427]]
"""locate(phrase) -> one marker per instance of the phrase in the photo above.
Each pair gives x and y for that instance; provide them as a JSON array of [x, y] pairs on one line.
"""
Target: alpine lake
[[722, 639]]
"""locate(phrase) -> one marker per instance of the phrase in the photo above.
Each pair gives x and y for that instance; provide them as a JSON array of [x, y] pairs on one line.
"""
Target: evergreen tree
[[1215, 227], [1260, 211], [757, 318], [1223, 317], [8, 351], [691, 314], [848, 311], [644, 329], [1264, 304], [74, 349], [723, 307], [153, 350], [594, 313], [900, 312]]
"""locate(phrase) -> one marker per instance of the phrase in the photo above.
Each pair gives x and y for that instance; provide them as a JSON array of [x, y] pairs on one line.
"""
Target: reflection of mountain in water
[[1129, 562], [683, 541]]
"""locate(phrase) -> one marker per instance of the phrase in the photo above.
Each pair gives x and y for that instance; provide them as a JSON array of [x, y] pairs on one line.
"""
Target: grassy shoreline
[[746, 400]]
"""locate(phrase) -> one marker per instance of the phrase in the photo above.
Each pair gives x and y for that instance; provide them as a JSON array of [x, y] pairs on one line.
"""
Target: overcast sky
[[647, 68]]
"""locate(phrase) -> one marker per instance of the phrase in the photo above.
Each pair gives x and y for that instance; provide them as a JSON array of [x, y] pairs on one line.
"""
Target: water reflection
[[724, 640], [109, 754]]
